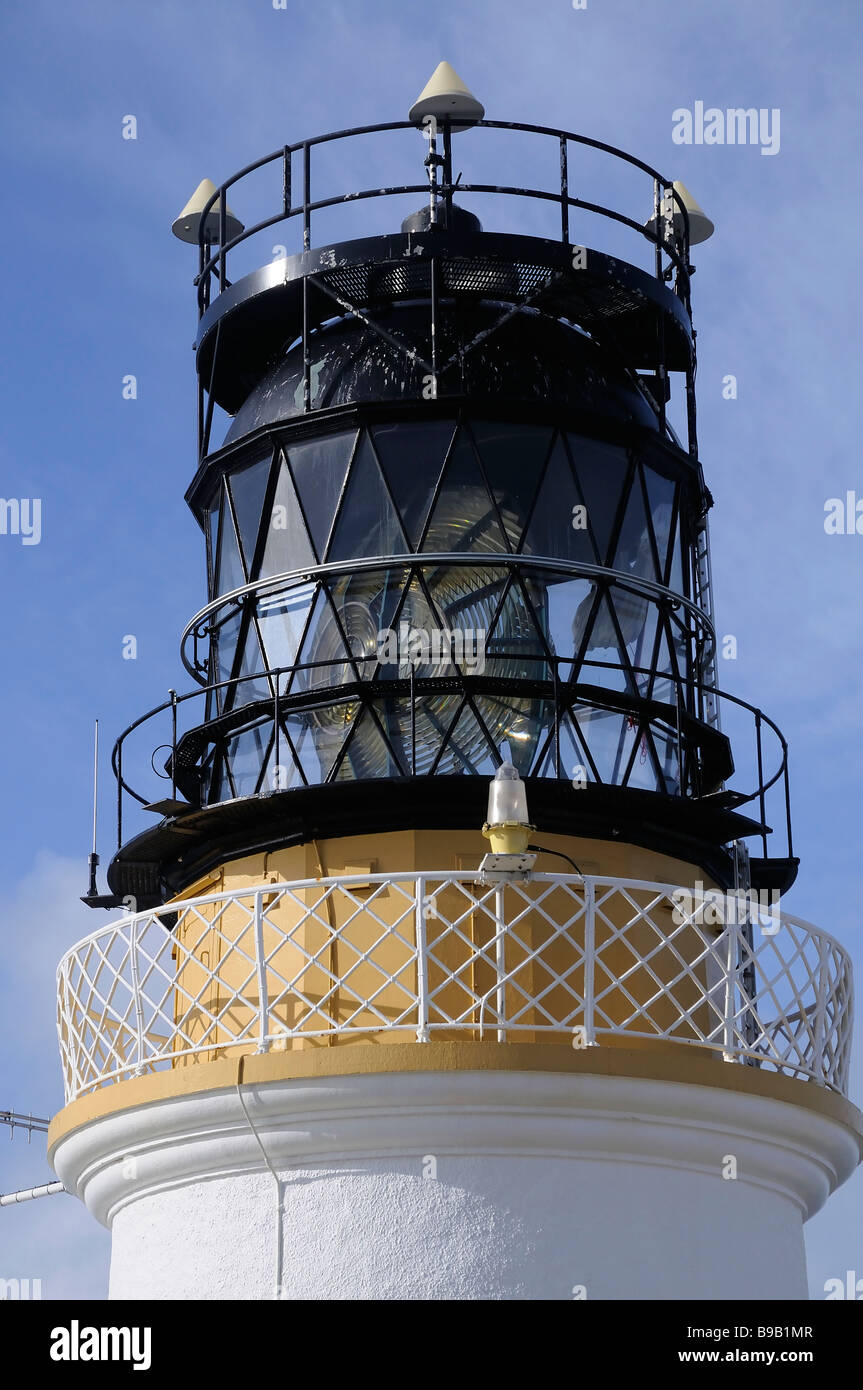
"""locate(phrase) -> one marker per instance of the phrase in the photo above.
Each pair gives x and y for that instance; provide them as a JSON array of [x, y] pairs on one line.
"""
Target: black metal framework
[[320, 296], [388, 479], [696, 753]]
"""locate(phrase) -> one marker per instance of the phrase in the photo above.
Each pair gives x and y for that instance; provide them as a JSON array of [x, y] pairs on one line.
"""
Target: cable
[[540, 849], [277, 1180]]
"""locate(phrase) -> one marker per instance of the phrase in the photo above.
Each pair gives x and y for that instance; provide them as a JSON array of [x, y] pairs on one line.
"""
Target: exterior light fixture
[[187, 225], [508, 828], [700, 225], [448, 100]]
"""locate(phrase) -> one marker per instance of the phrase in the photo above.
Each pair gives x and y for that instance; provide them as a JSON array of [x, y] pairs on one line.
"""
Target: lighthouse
[[447, 956]]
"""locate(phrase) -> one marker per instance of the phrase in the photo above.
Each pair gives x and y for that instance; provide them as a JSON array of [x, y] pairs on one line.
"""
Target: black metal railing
[[214, 265], [554, 687]]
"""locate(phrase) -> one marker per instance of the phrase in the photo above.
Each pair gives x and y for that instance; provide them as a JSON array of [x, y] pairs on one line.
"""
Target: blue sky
[[94, 288]]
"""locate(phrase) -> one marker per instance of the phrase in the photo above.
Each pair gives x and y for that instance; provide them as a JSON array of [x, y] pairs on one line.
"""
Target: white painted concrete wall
[[458, 1185]]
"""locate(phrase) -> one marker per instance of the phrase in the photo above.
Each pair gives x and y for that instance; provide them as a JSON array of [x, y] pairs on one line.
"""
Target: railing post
[[820, 1029], [136, 996], [261, 967], [589, 961], [730, 972], [500, 961], [657, 226], [762, 805], [307, 196], [120, 794], [422, 962], [564, 192], [173, 695]]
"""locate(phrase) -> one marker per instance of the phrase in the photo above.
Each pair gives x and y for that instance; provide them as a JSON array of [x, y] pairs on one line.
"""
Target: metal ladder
[[704, 598], [743, 884]]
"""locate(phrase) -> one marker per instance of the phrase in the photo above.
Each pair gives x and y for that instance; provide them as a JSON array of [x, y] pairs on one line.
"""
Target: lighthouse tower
[[447, 961]]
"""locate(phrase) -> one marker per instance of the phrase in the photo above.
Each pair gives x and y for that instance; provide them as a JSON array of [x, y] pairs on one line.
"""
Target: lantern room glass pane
[[463, 517], [367, 524], [319, 467], [513, 457], [412, 458], [558, 526], [602, 472], [286, 543]]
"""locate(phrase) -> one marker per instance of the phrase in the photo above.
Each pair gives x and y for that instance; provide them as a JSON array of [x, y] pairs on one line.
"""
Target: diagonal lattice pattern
[[557, 958]]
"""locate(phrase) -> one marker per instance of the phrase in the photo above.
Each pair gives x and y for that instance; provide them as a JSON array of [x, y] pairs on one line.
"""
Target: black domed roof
[[529, 357]]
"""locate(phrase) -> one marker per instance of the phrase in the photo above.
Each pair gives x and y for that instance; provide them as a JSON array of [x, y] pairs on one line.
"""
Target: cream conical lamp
[[700, 225], [447, 98], [187, 225]]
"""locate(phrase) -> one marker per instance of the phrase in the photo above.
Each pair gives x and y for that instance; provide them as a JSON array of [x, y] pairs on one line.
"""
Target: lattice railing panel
[[555, 958]]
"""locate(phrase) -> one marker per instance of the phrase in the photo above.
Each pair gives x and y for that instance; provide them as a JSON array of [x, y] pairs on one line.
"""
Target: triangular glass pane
[[604, 664], [287, 545], [213, 536], [317, 745], [367, 606], [609, 736], [641, 650], [516, 728], [632, 611], [246, 754], [558, 527], [325, 651], [566, 607], [634, 550], [329, 727], [467, 749], [367, 523], [319, 467], [513, 456], [642, 773], [666, 690], [225, 643], [411, 457], [288, 774], [282, 622], [367, 754], [251, 664], [463, 517], [601, 472], [573, 763], [248, 489], [665, 743], [231, 574], [660, 496], [675, 569], [513, 646]]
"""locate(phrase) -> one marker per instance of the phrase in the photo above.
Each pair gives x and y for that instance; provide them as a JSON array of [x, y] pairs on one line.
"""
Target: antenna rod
[[27, 1194], [32, 1123], [93, 891]]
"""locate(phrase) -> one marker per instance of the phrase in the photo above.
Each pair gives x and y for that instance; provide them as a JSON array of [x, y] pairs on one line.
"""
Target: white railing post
[[261, 967], [422, 961], [109, 1031], [730, 972], [589, 961], [500, 962], [821, 1008], [136, 996]]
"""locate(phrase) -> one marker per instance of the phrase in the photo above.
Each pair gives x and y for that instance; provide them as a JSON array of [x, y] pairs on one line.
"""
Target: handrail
[[215, 262], [561, 687], [576, 569], [546, 958]]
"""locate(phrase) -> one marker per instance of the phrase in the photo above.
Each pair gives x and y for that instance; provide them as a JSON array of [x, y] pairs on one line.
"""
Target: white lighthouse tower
[[452, 967]]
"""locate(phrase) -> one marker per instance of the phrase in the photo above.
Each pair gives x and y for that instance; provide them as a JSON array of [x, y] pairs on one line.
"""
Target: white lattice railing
[[392, 957]]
